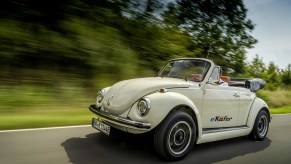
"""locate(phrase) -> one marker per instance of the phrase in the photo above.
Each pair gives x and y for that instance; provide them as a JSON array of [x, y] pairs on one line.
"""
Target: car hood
[[124, 94]]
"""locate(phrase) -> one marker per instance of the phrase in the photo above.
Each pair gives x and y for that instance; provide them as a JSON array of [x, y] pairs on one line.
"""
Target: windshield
[[189, 69]]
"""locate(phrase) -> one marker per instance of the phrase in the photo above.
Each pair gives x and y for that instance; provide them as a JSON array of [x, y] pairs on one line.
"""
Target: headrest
[[225, 78]]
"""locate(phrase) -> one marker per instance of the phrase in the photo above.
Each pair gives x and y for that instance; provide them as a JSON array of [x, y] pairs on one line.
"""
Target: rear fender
[[258, 105]]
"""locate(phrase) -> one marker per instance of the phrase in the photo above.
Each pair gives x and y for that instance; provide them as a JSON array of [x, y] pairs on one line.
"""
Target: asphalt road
[[81, 145]]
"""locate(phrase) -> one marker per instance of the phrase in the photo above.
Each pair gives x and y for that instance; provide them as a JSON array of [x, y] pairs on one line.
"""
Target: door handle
[[247, 94], [236, 95]]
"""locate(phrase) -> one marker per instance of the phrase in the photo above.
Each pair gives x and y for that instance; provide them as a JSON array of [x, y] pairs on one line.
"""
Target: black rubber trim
[[119, 120]]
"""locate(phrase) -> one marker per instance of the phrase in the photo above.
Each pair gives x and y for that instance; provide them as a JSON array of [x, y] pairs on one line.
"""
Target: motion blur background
[[56, 54]]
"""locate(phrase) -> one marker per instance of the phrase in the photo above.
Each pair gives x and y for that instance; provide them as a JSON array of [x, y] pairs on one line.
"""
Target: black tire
[[261, 126], [175, 136]]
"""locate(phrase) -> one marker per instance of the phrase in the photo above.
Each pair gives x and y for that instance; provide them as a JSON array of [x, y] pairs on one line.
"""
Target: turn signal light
[[163, 90]]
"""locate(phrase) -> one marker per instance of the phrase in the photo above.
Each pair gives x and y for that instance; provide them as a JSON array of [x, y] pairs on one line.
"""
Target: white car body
[[219, 112]]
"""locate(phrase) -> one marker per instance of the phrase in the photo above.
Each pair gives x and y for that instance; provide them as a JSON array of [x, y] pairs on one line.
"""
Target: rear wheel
[[175, 136], [261, 126]]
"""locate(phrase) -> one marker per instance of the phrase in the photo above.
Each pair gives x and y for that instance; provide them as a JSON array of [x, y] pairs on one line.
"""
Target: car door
[[220, 105]]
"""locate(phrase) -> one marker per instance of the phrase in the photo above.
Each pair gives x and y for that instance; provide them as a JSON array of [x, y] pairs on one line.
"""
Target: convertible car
[[184, 105]]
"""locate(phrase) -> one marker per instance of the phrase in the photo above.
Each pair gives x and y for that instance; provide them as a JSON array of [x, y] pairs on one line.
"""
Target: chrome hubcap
[[263, 126], [179, 137]]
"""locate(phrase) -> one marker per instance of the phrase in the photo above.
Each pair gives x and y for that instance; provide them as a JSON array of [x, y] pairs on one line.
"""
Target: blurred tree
[[154, 42], [256, 68], [286, 75], [217, 25], [66, 46], [81, 37], [46, 12], [272, 76]]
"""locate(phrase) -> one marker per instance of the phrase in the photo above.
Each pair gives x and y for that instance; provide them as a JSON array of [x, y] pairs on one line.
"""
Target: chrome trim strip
[[217, 130], [119, 120]]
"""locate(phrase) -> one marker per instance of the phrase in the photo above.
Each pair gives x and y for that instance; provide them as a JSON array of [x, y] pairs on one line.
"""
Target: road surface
[[81, 145]]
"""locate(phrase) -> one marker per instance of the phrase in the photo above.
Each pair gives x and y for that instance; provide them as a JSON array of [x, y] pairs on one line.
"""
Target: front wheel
[[261, 126], [175, 136]]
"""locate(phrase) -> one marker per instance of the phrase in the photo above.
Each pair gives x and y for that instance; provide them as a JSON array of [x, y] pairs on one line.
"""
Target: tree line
[[91, 42], [271, 73]]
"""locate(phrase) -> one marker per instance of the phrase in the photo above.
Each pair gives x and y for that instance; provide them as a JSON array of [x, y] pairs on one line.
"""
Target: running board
[[215, 134], [217, 130]]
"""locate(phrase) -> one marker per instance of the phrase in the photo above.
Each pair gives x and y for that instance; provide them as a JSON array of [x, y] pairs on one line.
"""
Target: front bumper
[[119, 121]]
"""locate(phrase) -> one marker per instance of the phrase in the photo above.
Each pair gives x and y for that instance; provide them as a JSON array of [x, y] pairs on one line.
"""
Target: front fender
[[161, 105], [258, 105]]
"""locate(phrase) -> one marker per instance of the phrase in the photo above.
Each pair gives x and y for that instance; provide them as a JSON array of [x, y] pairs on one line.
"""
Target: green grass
[[64, 117], [45, 118], [281, 110], [29, 106], [277, 98]]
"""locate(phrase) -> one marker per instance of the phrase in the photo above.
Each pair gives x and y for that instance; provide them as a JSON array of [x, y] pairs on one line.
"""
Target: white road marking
[[49, 128]]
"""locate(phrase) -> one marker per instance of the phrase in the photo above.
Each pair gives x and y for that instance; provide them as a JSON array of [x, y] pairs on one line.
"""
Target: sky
[[273, 30]]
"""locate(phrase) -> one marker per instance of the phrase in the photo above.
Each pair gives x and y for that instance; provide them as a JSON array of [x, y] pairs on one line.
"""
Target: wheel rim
[[263, 126], [179, 137]]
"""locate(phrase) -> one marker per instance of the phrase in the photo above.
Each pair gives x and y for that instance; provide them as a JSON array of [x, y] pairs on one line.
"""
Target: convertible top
[[253, 84]]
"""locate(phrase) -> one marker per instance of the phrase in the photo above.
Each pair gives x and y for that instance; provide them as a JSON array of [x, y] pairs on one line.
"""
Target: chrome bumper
[[120, 121]]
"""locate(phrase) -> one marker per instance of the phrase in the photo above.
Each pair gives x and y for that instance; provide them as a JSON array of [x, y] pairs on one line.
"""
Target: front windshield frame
[[202, 68]]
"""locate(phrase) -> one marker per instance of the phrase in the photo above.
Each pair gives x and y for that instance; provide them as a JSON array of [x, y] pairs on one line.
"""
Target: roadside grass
[[45, 118], [37, 107], [64, 117], [281, 110], [30, 106], [277, 98]]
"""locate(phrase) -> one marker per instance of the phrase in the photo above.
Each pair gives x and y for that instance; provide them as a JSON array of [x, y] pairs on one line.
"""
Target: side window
[[215, 74]]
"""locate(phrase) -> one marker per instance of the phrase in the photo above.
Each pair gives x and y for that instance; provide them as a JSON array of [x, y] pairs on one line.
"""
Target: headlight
[[100, 97], [143, 106]]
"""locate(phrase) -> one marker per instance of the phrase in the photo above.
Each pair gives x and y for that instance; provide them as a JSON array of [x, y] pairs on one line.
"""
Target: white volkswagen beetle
[[184, 105]]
